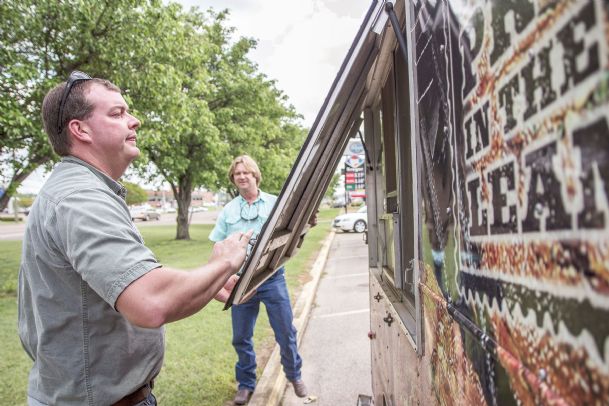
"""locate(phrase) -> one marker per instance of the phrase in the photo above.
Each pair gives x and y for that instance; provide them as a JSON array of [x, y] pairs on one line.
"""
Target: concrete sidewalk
[[332, 318]]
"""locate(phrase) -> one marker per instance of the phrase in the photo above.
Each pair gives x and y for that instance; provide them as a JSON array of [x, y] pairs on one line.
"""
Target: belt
[[137, 396]]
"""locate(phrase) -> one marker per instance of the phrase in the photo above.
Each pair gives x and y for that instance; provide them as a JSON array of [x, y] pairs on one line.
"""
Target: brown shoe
[[300, 389], [242, 396]]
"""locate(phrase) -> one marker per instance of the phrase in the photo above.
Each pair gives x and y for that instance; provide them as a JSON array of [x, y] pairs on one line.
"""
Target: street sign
[[355, 175], [356, 148], [354, 161]]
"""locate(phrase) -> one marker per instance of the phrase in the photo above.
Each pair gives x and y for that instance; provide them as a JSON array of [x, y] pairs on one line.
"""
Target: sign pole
[[346, 193]]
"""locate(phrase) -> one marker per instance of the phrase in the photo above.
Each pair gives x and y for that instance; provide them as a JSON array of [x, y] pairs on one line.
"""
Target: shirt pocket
[[263, 212], [233, 223]]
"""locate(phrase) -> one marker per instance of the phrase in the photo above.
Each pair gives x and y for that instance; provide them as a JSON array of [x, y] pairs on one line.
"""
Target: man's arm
[[165, 295]]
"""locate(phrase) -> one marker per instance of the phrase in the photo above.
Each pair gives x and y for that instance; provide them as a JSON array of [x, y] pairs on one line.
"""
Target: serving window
[[398, 222]]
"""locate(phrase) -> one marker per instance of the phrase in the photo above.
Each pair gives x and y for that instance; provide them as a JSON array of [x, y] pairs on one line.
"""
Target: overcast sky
[[301, 44]]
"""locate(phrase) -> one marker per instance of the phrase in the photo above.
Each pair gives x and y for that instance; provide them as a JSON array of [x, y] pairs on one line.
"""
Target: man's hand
[[224, 293], [232, 250]]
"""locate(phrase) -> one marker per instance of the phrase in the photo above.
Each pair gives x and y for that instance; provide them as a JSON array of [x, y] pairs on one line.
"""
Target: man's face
[[112, 128], [244, 179]]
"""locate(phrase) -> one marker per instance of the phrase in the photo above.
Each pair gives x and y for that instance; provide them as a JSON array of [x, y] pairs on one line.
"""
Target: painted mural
[[513, 128]]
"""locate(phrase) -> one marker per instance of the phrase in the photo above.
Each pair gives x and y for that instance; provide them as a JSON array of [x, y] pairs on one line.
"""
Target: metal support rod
[[365, 150], [396, 29]]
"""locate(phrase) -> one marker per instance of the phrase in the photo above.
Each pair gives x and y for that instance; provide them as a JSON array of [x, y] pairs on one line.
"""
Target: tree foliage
[[332, 186], [200, 99], [251, 114], [215, 106], [41, 42], [135, 194], [25, 201]]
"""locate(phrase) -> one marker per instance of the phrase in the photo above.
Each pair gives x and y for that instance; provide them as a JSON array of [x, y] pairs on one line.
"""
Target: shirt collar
[[115, 186], [261, 196]]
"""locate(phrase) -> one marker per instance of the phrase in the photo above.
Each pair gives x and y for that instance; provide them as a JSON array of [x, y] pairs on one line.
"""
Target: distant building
[[165, 198], [161, 198], [203, 198]]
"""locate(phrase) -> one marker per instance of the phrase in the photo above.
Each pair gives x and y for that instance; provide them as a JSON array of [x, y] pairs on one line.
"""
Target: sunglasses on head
[[75, 76]]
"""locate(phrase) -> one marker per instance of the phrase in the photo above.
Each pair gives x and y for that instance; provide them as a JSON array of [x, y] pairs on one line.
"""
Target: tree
[[177, 135], [216, 106], [23, 146], [41, 42], [332, 186], [201, 100], [135, 194], [251, 114]]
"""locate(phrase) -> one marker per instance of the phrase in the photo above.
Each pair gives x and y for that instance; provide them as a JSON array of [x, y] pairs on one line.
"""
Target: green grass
[[297, 268], [179, 254], [10, 257], [8, 220], [199, 358], [14, 363]]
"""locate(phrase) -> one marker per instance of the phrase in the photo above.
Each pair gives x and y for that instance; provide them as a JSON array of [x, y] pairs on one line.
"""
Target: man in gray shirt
[[92, 297]]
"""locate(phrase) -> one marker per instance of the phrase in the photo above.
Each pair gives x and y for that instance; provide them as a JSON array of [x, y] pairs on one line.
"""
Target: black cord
[[396, 28], [365, 150]]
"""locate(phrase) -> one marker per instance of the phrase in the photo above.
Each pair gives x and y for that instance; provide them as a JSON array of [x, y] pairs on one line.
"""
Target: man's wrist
[[222, 264], [228, 266]]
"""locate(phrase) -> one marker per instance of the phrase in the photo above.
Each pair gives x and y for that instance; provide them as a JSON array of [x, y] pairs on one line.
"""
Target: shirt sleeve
[[220, 231], [100, 241]]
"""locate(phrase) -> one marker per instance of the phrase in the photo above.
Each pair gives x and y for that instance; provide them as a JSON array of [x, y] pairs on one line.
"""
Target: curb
[[272, 383]]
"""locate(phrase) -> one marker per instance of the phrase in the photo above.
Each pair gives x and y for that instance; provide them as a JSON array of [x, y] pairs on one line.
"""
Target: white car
[[197, 209], [352, 221], [144, 213]]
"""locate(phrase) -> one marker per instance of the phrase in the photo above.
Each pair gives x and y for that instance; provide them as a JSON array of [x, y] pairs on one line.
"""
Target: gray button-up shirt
[[80, 251]]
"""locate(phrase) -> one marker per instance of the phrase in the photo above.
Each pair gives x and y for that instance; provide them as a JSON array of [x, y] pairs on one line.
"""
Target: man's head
[[95, 124], [242, 169], [71, 98]]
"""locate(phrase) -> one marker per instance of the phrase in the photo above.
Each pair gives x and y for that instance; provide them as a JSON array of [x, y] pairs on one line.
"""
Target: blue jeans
[[274, 294]]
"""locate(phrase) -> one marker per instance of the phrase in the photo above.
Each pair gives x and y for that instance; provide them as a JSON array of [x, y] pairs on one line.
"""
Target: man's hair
[[249, 164], [77, 107]]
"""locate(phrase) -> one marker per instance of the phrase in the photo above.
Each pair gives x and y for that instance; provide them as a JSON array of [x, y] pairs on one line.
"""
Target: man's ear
[[80, 131]]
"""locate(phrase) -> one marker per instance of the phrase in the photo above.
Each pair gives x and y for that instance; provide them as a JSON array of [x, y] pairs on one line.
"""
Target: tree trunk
[[183, 194], [4, 200], [17, 179]]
